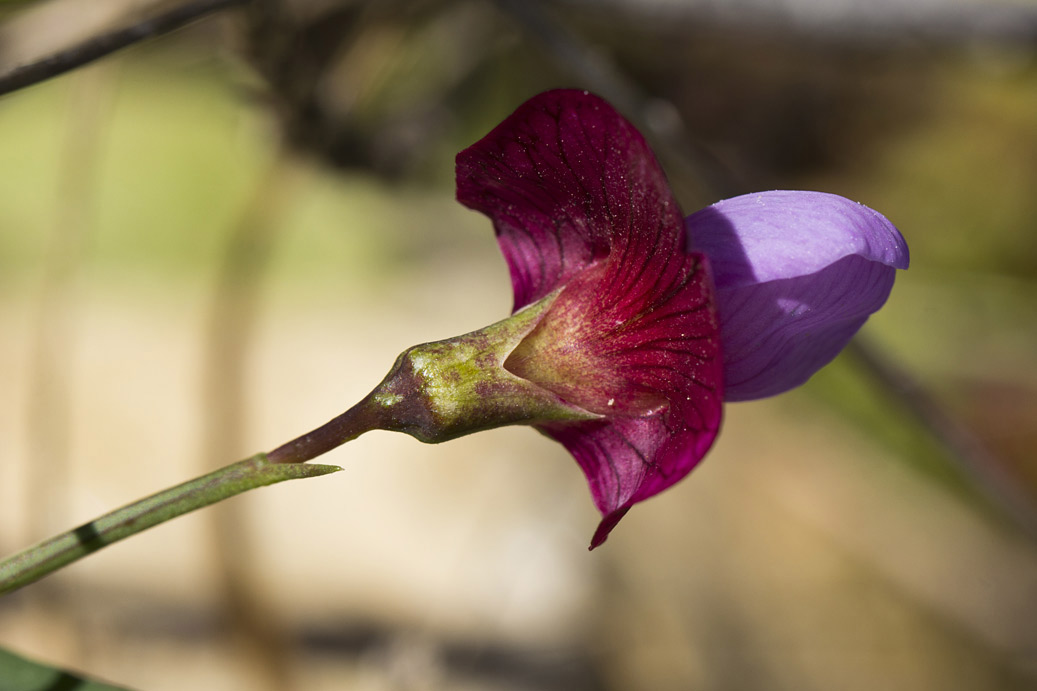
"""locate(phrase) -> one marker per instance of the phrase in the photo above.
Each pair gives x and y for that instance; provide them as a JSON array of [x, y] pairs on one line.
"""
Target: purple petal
[[777, 334], [797, 274], [766, 236], [579, 202]]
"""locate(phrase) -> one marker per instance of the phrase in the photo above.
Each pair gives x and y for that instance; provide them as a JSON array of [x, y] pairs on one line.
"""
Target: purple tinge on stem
[[581, 207], [797, 274]]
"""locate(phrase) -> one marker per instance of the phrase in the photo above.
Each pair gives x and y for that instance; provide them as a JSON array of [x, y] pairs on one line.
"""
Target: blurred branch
[[595, 69], [975, 460], [105, 44]]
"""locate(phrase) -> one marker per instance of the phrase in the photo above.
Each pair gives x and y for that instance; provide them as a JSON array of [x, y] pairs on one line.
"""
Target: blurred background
[[220, 238]]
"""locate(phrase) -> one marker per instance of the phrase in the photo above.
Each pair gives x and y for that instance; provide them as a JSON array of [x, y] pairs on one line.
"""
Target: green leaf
[[19, 674]]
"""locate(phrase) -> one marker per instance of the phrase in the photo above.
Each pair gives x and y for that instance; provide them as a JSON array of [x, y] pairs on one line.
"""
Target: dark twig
[[99, 46]]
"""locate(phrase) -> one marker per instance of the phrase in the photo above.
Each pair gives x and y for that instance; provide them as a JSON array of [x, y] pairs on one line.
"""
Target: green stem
[[50, 555], [365, 416]]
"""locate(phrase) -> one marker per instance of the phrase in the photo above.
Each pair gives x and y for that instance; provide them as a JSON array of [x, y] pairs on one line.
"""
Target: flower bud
[[447, 389]]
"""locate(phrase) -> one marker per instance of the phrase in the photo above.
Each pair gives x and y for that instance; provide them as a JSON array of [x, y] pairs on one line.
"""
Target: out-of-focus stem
[[974, 459], [48, 404], [236, 306]]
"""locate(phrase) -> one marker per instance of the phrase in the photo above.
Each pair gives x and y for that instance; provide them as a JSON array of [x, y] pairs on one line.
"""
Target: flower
[[632, 325]]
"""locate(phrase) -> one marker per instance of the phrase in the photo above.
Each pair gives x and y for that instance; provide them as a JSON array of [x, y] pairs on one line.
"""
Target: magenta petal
[[561, 178], [580, 204], [628, 460], [797, 274], [666, 412]]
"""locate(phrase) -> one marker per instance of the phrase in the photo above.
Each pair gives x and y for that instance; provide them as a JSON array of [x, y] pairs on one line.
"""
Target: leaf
[[19, 674]]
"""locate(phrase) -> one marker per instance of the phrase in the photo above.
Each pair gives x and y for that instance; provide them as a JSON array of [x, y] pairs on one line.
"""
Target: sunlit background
[[221, 238]]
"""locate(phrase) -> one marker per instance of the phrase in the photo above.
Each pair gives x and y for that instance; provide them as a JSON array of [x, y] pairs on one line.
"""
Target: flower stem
[[363, 417], [50, 555]]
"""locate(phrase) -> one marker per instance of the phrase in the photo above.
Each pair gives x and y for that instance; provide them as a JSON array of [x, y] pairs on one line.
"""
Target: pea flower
[[631, 324]]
